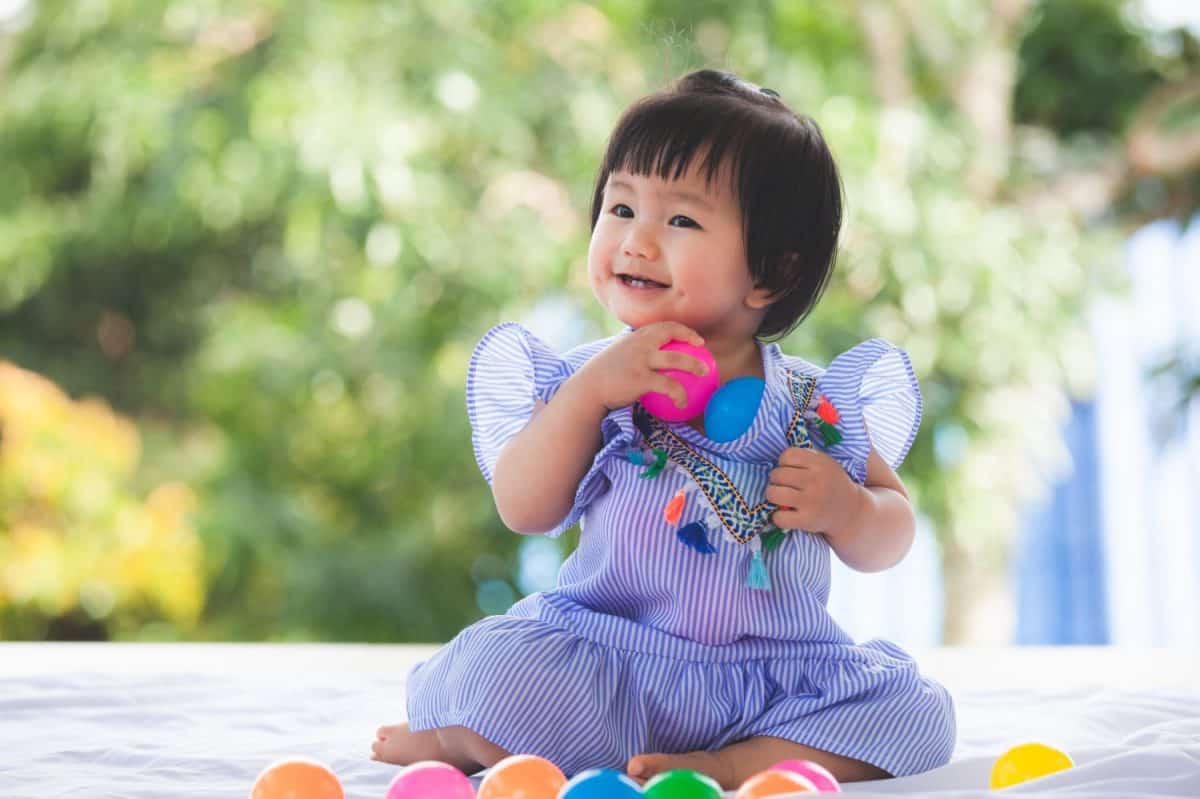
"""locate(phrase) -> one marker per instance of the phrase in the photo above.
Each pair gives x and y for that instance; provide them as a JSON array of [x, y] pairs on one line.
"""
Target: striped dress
[[648, 644]]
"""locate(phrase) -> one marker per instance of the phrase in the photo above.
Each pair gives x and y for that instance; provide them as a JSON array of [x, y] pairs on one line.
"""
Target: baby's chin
[[638, 320]]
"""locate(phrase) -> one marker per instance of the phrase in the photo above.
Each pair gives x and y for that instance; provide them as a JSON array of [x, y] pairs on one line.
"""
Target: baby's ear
[[761, 296]]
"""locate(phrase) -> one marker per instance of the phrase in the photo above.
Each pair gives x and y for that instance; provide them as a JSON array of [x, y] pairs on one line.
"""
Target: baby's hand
[[813, 493], [630, 366]]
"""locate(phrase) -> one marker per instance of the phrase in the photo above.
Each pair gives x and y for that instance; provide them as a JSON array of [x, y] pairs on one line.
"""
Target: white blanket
[[192, 721]]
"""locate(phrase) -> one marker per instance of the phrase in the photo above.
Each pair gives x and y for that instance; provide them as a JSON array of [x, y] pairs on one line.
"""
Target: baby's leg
[[739, 761], [462, 748]]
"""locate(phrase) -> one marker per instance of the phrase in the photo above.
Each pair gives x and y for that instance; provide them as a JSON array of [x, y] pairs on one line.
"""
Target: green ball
[[682, 784]]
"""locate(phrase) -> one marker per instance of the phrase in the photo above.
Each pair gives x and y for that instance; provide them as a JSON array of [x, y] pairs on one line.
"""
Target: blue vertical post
[[1059, 566]]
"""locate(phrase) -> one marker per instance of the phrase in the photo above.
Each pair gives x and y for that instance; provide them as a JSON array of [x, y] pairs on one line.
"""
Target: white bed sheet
[[192, 721]]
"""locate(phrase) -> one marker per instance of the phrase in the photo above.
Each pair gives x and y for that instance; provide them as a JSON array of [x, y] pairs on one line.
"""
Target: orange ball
[[522, 777], [297, 778], [774, 783]]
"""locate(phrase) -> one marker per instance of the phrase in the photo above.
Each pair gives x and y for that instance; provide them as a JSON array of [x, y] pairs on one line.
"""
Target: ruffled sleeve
[[877, 401], [510, 370]]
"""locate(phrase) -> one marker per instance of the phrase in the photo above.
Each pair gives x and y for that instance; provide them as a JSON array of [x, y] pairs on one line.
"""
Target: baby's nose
[[639, 244]]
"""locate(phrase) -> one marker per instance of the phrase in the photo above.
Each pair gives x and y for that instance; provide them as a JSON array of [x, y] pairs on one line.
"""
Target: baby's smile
[[638, 282]]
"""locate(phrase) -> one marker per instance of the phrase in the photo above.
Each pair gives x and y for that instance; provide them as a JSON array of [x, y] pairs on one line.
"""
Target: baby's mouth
[[639, 282]]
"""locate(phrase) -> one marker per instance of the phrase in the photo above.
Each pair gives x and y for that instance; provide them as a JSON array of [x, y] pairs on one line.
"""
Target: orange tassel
[[827, 412], [674, 508]]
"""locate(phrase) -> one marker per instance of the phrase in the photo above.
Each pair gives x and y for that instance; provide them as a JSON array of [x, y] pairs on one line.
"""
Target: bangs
[[742, 137], [663, 139]]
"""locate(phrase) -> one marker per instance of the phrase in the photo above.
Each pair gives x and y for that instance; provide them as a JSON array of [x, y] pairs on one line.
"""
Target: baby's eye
[[687, 221], [617, 210]]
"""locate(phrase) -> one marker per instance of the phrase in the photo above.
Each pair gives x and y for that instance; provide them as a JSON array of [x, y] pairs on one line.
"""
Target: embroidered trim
[[802, 394], [741, 522]]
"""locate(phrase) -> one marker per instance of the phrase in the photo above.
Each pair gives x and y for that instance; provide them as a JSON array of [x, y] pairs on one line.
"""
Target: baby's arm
[[539, 469], [880, 532], [870, 527]]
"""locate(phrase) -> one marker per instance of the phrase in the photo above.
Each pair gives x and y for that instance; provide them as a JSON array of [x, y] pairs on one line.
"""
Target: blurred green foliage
[[1075, 89], [272, 232]]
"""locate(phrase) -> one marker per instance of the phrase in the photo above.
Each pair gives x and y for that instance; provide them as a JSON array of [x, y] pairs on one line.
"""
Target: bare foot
[[462, 748], [737, 762], [395, 743], [643, 767]]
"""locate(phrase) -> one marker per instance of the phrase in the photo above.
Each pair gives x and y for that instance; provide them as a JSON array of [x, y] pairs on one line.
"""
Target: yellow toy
[[1027, 762]]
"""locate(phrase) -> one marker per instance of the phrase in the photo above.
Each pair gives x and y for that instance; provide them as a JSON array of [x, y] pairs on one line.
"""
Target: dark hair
[[782, 173]]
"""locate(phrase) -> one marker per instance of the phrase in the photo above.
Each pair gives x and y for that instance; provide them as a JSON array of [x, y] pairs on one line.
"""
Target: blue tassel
[[695, 536], [758, 577]]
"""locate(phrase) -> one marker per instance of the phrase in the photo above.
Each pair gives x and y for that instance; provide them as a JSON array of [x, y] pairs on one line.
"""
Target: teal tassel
[[695, 536], [635, 456], [758, 577]]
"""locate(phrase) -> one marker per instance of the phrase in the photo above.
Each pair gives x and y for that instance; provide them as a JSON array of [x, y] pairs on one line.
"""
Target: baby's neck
[[740, 358], [734, 359]]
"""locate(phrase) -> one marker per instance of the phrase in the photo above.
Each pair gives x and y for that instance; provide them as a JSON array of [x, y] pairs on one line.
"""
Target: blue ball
[[731, 410], [603, 783]]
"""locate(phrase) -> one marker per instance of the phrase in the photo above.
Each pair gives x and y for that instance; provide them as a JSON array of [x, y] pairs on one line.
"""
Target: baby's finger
[[798, 457], [671, 387], [790, 476], [666, 331], [783, 496], [787, 519], [669, 359]]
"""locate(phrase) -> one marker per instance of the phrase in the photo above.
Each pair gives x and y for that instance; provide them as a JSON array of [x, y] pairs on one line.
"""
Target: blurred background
[[246, 249]]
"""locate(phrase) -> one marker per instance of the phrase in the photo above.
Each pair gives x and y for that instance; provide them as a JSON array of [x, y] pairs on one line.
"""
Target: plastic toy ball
[[522, 777], [430, 778], [682, 784], [601, 784], [815, 773], [297, 778], [697, 387], [731, 410], [774, 783], [1027, 762]]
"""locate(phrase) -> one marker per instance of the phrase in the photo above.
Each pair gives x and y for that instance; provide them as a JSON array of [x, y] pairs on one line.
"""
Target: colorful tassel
[[827, 412], [758, 578], [640, 457], [829, 433], [772, 538], [695, 536], [674, 507], [660, 462]]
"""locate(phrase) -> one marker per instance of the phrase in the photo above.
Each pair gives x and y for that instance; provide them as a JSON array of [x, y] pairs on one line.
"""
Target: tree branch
[[1152, 151], [886, 46], [1147, 151]]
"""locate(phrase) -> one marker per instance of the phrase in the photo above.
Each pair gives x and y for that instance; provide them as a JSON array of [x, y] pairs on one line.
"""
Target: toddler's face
[[673, 251]]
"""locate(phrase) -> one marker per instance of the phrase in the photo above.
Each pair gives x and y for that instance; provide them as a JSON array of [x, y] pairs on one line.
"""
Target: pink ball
[[698, 387], [817, 774], [430, 778]]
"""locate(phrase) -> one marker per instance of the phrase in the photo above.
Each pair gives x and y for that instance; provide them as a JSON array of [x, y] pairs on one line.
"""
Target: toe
[[647, 766], [643, 767]]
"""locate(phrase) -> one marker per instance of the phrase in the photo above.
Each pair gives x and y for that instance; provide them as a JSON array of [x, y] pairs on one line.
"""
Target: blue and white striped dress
[[648, 645]]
